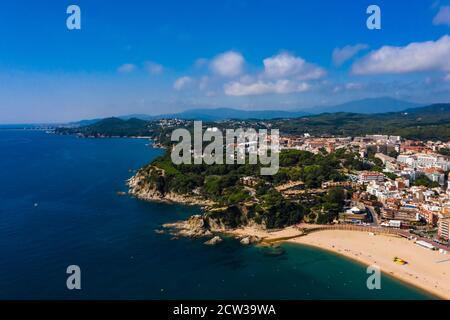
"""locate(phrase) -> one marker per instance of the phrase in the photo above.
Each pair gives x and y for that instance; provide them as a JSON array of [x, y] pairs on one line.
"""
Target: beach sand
[[425, 269]]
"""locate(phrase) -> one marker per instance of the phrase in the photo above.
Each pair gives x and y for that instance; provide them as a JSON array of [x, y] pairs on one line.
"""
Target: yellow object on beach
[[400, 261]]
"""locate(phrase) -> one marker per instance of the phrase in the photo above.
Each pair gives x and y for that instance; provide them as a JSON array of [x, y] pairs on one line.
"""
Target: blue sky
[[166, 56]]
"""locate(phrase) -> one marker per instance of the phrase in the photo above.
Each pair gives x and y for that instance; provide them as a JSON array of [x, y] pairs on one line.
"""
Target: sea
[[60, 205]]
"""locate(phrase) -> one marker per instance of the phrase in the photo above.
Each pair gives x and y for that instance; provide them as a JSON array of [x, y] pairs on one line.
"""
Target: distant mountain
[[431, 122], [367, 106], [83, 123], [217, 114], [139, 116], [111, 127], [228, 113], [222, 114], [439, 111], [364, 106]]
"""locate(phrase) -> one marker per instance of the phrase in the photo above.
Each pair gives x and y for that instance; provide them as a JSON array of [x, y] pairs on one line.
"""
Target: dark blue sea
[[59, 206]]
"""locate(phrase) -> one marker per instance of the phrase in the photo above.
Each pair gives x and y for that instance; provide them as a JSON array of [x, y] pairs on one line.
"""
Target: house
[[368, 176]]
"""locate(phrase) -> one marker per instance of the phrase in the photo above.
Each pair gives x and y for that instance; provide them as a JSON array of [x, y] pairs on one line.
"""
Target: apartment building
[[444, 227]]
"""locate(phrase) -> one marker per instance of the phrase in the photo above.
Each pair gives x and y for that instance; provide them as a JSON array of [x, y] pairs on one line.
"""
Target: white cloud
[[341, 55], [228, 64], [443, 16], [153, 67], [126, 68], [182, 83], [283, 73], [353, 86], [259, 87], [415, 57], [287, 65], [350, 86]]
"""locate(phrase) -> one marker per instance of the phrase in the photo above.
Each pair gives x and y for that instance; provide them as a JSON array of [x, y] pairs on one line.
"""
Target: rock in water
[[194, 227], [208, 233], [214, 241], [255, 239], [245, 241]]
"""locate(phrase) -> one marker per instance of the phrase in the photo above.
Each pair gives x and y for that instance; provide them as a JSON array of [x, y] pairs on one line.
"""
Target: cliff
[[142, 188]]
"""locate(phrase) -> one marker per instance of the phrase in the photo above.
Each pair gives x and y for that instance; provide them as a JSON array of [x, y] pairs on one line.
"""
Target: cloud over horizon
[[443, 16], [288, 65], [341, 55], [182, 82], [126, 68], [228, 64], [283, 73], [414, 57], [153, 67], [260, 87]]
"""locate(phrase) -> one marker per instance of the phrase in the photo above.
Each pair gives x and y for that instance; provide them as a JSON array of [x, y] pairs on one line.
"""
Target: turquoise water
[[79, 219]]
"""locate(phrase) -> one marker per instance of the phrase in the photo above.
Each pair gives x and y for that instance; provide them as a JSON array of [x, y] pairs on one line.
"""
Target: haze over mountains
[[224, 113], [365, 106], [423, 123]]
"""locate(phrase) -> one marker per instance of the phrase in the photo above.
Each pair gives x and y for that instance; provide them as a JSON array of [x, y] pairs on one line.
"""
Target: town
[[403, 185], [408, 187], [351, 184]]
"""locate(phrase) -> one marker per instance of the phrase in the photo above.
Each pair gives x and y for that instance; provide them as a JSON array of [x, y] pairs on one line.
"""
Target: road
[[374, 214]]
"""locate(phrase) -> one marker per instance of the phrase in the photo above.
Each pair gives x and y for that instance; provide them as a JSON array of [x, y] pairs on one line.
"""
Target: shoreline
[[426, 270], [423, 271], [171, 198], [384, 273]]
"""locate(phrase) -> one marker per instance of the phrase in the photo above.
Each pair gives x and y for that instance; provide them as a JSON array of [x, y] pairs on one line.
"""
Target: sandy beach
[[426, 269]]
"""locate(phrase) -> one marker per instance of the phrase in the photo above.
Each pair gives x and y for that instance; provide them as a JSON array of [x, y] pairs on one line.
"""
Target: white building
[[368, 176]]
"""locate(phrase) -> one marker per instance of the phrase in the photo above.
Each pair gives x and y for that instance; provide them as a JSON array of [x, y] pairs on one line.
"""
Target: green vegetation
[[444, 151], [427, 123], [425, 182], [113, 127], [238, 203], [259, 201], [390, 175]]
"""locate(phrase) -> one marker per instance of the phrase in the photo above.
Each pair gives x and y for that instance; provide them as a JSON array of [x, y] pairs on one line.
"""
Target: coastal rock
[[250, 240], [194, 227], [216, 225], [208, 233], [214, 241], [255, 239], [142, 189]]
